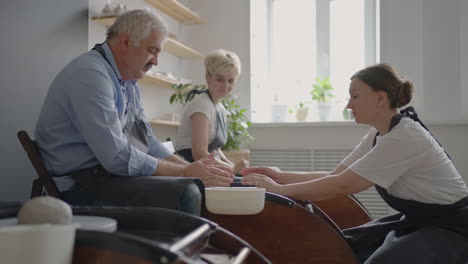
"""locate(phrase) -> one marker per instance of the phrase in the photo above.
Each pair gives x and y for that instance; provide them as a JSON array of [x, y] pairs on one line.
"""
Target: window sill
[[308, 124], [351, 123]]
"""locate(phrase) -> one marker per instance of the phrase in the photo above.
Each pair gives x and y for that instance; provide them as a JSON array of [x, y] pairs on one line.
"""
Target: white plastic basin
[[235, 200], [38, 244]]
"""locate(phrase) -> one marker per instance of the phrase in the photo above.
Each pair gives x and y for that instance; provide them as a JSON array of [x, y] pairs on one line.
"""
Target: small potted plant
[[322, 92], [301, 111], [239, 137]]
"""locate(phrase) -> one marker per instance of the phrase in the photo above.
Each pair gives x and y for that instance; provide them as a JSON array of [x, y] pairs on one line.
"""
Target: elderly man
[[93, 136]]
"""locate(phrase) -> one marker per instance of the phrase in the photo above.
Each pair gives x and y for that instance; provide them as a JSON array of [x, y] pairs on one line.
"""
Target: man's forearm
[[177, 159], [169, 168]]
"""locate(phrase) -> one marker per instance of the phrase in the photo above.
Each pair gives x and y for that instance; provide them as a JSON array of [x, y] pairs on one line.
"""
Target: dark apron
[[413, 216], [96, 185], [218, 141]]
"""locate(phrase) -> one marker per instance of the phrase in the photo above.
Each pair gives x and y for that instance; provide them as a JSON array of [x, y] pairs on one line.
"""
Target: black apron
[[220, 138], [97, 186], [412, 216]]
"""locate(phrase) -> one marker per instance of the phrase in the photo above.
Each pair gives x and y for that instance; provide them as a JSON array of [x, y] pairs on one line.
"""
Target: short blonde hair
[[219, 60]]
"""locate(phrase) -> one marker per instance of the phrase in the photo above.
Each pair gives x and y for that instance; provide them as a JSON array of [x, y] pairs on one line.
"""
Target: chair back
[[169, 145], [44, 179]]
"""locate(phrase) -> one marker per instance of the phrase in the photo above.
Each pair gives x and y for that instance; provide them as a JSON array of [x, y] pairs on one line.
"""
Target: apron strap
[[220, 138], [409, 112], [98, 48], [135, 128]]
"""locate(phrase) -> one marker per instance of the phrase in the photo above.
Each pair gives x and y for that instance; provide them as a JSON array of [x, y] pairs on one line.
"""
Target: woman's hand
[[272, 172], [240, 166], [211, 175], [262, 181]]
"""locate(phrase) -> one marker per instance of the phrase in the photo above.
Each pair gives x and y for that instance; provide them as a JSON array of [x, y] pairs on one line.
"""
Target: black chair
[[44, 182]]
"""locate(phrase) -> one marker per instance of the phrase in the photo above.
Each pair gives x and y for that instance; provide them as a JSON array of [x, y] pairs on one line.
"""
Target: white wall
[[39, 38], [464, 54], [427, 41]]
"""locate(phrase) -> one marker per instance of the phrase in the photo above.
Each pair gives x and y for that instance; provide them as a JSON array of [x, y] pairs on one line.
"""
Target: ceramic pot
[[324, 109], [301, 114]]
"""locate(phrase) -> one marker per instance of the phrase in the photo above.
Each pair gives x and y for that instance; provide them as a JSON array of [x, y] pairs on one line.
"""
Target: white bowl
[[38, 244], [235, 200]]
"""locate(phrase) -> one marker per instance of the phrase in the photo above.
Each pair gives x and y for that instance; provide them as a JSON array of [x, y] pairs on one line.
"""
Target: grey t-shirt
[[200, 104]]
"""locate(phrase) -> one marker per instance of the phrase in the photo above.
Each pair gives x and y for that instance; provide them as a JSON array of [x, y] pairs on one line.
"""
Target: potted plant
[[182, 95], [182, 92], [239, 137], [322, 92], [301, 110]]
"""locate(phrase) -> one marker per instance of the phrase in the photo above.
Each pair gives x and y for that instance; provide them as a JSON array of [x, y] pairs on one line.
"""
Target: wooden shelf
[[172, 46], [164, 122], [105, 20], [158, 80], [181, 50], [176, 10]]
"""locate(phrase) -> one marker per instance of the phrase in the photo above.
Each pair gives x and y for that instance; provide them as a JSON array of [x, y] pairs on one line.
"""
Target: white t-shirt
[[200, 104], [409, 163]]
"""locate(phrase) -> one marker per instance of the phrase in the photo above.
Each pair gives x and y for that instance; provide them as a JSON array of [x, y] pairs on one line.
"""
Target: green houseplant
[[237, 130], [322, 92], [181, 92], [238, 134], [182, 95]]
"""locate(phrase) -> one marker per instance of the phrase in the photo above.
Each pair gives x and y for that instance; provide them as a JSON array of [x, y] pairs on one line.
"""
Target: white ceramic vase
[[324, 109]]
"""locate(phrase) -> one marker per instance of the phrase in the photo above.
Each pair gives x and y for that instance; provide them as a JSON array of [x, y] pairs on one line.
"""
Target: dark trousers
[[428, 245], [95, 186], [377, 242]]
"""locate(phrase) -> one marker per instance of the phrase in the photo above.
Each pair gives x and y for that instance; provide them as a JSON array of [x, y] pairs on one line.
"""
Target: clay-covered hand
[[263, 181], [211, 175], [240, 166]]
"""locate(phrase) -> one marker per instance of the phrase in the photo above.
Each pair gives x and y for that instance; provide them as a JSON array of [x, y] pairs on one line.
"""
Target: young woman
[[409, 169], [203, 125]]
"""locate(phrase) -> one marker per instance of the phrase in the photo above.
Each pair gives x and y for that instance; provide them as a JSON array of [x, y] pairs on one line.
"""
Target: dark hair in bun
[[383, 77]]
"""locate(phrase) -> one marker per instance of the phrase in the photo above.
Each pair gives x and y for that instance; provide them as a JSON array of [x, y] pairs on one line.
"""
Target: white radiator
[[317, 160]]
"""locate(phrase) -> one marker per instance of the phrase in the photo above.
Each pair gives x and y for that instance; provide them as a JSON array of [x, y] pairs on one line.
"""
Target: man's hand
[[272, 172], [211, 175]]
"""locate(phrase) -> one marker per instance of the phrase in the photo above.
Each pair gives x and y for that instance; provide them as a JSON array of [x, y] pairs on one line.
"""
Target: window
[[295, 41]]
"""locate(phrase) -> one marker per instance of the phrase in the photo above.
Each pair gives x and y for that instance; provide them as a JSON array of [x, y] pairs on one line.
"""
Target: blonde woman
[[203, 125]]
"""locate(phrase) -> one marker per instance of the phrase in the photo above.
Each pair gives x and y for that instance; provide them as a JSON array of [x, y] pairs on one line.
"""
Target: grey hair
[[138, 24], [219, 60]]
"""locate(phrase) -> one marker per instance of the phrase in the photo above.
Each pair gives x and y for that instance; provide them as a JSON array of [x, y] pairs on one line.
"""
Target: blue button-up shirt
[[81, 122]]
